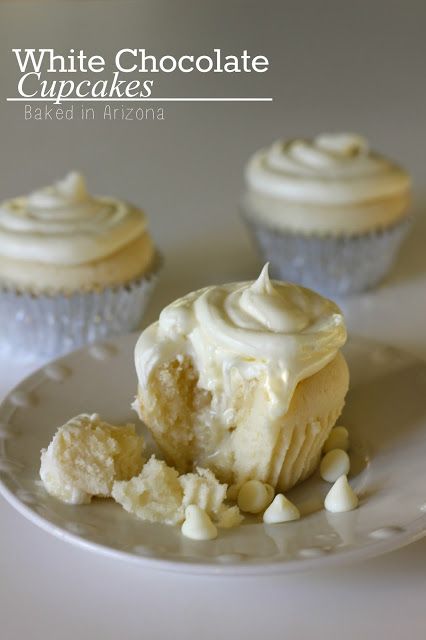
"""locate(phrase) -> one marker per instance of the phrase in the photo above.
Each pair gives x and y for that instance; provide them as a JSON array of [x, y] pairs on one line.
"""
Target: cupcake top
[[332, 183], [61, 239], [65, 225], [272, 331]]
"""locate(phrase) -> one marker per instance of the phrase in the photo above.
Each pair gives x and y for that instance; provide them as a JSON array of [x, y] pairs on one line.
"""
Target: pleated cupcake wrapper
[[45, 326], [331, 265], [304, 444]]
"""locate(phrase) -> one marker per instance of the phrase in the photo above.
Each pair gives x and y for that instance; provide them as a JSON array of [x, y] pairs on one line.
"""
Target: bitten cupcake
[[246, 379], [74, 268], [328, 213]]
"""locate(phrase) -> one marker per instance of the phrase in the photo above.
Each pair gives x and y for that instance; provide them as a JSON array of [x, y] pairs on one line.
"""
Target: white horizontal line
[[139, 100]]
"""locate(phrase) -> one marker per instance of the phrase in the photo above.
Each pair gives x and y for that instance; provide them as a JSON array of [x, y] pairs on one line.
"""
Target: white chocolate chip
[[281, 510], [232, 492], [334, 464], [197, 524], [338, 439], [341, 497], [270, 491], [254, 496]]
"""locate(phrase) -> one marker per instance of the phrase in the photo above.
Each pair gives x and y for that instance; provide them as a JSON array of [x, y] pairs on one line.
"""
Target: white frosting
[[330, 169], [274, 331], [338, 439], [65, 225], [332, 184], [281, 510], [335, 463], [198, 525], [341, 497], [254, 496]]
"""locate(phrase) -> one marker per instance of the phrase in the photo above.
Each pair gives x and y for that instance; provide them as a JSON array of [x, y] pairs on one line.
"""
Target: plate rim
[[411, 532]]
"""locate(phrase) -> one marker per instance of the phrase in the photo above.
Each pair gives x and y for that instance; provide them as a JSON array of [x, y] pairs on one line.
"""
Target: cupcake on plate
[[74, 268], [328, 213], [246, 379]]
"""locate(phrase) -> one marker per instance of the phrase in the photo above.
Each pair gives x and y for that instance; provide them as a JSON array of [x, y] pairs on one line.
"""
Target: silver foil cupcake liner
[[45, 326], [333, 266]]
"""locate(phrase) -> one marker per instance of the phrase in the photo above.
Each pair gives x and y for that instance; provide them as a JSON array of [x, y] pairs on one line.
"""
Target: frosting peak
[[343, 144], [71, 189], [269, 330], [63, 224], [333, 169], [266, 305], [66, 197]]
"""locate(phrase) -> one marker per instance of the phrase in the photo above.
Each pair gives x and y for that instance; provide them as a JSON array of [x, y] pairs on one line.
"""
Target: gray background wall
[[334, 65]]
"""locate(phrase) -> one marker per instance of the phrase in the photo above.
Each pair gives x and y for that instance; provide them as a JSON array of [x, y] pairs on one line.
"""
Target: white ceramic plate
[[385, 411]]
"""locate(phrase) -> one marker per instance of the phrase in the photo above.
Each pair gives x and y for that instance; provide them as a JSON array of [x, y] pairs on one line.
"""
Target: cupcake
[[245, 379], [327, 213], [74, 268]]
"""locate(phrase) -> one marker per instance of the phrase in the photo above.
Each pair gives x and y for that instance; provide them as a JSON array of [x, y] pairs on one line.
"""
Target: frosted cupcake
[[74, 268], [246, 379], [328, 212]]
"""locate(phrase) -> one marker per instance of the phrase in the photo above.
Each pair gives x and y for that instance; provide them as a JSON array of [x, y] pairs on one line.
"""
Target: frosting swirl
[[269, 330], [331, 169], [65, 225]]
